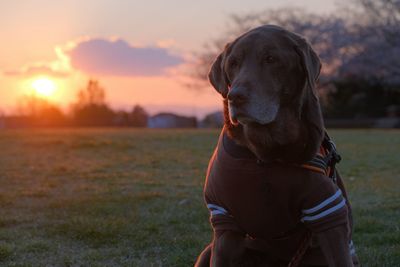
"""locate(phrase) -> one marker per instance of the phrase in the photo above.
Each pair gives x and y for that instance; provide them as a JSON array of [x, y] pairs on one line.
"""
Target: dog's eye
[[269, 59]]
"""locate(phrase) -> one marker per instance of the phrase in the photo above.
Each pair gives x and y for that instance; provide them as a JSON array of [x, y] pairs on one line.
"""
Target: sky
[[137, 50]]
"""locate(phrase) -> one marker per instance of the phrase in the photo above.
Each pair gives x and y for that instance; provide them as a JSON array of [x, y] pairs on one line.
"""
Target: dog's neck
[[289, 139]]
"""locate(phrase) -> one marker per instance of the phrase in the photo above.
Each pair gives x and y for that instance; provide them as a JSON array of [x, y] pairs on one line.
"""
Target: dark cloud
[[36, 70], [105, 57]]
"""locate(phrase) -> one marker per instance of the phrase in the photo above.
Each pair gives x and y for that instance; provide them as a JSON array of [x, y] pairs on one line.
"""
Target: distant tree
[[51, 116], [135, 118], [93, 94], [90, 108], [30, 105], [94, 115], [121, 118], [138, 116], [360, 98], [40, 112], [2, 119]]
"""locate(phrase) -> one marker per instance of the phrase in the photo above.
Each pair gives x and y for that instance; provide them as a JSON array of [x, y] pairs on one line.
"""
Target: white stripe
[[324, 213], [323, 203], [352, 249], [216, 212], [212, 206]]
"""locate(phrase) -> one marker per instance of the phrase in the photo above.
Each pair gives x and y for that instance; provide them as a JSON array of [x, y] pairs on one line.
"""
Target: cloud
[[32, 70], [58, 68], [118, 58]]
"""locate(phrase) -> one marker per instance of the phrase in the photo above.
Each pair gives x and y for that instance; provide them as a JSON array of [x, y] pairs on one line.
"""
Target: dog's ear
[[217, 75], [310, 108], [311, 65]]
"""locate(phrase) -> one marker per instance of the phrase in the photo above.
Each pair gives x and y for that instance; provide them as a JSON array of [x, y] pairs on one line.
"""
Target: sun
[[44, 87]]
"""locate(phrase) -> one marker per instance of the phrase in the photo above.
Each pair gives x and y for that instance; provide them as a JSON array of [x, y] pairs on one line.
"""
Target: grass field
[[104, 197]]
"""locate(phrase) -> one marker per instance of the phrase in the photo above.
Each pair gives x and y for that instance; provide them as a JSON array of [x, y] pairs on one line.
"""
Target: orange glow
[[44, 87]]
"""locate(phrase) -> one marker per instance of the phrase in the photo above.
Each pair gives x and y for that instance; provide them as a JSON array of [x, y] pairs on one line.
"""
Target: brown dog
[[269, 206]]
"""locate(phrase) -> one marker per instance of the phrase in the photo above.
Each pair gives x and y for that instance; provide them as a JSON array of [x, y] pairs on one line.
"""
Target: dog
[[272, 189]]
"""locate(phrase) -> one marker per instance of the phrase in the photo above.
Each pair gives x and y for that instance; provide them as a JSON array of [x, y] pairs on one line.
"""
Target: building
[[170, 120]]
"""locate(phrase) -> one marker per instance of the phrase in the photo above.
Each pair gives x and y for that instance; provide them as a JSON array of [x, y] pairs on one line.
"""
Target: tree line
[[90, 109]]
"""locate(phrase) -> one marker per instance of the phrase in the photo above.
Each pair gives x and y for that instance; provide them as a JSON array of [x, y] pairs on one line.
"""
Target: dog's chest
[[262, 201]]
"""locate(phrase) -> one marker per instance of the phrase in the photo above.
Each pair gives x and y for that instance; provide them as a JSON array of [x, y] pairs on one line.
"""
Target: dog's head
[[267, 77]]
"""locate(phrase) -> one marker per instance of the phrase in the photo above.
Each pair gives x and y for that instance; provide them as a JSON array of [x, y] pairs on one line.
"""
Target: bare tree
[[363, 41], [330, 36], [90, 108], [377, 31], [382, 19], [93, 94]]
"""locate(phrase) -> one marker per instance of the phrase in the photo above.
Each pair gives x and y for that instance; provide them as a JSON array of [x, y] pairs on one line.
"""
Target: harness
[[324, 162]]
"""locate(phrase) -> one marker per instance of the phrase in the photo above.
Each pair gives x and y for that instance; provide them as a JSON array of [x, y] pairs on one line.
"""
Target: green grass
[[104, 197]]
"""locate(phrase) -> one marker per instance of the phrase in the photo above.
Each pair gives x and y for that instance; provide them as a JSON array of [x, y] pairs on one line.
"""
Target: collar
[[323, 162]]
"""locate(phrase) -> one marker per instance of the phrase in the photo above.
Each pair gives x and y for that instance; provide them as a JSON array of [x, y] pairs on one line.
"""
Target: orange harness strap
[[320, 163], [324, 162]]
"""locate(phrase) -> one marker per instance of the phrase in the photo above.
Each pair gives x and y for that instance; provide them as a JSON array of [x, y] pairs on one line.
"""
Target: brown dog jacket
[[272, 204]]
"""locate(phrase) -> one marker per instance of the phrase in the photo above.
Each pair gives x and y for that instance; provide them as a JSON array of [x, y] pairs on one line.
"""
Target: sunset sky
[[134, 48]]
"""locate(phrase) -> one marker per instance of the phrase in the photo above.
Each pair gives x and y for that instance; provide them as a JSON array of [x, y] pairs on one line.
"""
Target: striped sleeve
[[216, 210], [221, 220], [324, 208]]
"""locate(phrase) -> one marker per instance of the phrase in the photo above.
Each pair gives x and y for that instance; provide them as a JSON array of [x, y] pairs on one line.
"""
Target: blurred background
[[82, 185], [129, 63]]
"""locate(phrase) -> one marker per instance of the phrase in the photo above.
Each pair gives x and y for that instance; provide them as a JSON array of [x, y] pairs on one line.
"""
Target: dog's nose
[[237, 96]]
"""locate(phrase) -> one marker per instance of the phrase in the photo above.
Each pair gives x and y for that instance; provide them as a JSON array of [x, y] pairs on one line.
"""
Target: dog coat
[[272, 204]]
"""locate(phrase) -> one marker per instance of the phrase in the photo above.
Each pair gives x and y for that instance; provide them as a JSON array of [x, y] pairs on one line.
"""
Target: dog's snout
[[237, 96]]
